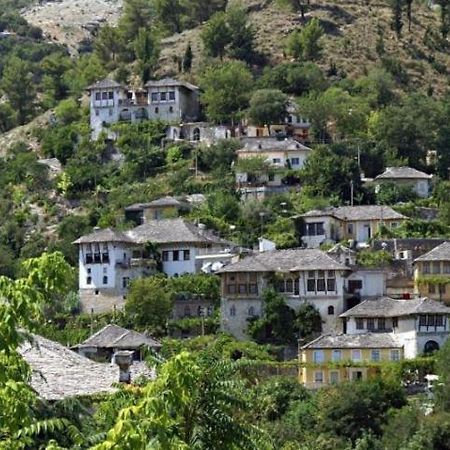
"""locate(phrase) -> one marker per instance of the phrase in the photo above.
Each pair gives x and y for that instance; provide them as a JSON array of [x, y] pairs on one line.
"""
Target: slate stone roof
[[285, 261], [402, 173], [103, 235], [171, 82], [354, 213], [158, 203], [389, 307], [267, 144], [366, 340], [104, 84], [113, 336], [439, 253], [168, 231], [58, 372]]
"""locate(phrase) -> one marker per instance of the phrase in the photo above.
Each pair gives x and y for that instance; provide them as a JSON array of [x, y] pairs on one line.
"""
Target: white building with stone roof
[[168, 100], [418, 181]]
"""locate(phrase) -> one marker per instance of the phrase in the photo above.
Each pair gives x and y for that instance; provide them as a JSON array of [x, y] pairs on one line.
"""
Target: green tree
[[8, 117], [137, 15], [146, 48], [109, 44], [149, 304], [268, 107], [216, 35], [305, 44], [443, 387], [227, 89], [242, 34], [17, 83], [187, 59], [170, 14], [397, 16]]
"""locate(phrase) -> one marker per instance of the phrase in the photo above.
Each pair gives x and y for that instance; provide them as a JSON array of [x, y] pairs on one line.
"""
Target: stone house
[[432, 273], [407, 176], [375, 331], [168, 100], [353, 223], [109, 260], [161, 208]]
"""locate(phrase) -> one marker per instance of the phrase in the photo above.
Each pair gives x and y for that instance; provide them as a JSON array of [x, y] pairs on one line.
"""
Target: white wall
[[373, 283]]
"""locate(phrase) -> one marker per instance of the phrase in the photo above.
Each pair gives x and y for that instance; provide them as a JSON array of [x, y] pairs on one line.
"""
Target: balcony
[[148, 263], [103, 103]]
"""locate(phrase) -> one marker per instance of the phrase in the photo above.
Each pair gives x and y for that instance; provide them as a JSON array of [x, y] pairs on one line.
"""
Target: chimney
[[124, 359]]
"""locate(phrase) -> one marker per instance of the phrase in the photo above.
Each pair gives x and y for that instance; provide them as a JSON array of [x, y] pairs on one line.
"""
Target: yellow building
[[332, 359], [432, 273]]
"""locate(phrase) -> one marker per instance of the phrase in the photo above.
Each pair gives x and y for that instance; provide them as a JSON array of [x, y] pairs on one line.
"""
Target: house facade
[[109, 260], [162, 208], [374, 331], [167, 100], [353, 223], [420, 182], [333, 359], [432, 273]]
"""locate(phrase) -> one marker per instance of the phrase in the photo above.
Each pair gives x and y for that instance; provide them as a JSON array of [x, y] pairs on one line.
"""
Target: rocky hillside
[[353, 30]]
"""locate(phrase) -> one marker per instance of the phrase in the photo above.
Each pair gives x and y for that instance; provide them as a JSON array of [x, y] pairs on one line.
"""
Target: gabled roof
[[291, 260], [158, 203], [269, 144], [103, 235], [113, 336], [365, 340], [389, 307], [171, 82], [402, 173], [104, 84], [439, 253], [339, 249], [58, 372], [362, 212], [168, 231]]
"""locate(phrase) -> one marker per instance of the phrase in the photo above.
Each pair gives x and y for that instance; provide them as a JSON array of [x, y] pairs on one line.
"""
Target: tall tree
[[188, 56], [17, 84], [227, 89], [137, 14], [216, 35], [242, 34], [170, 14], [397, 16], [305, 44], [146, 48]]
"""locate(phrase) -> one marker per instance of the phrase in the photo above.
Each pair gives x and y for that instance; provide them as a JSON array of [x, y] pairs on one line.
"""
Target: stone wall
[[102, 302]]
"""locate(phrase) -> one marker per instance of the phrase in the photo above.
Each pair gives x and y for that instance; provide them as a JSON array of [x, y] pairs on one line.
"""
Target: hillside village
[[218, 233]]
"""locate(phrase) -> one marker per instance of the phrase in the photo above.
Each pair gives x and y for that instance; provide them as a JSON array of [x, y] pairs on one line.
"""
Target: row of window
[[176, 255], [356, 355], [201, 311], [435, 267], [104, 95], [439, 289], [431, 320], [321, 281], [251, 312], [163, 96], [373, 324], [242, 289], [334, 376], [292, 161], [314, 229]]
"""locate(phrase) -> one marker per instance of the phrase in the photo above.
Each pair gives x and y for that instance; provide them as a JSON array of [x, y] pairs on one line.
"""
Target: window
[[315, 229], [110, 112], [105, 280], [357, 375], [163, 96], [251, 311], [186, 255], [154, 97], [104, 96], [431, 320], [125, 282], [187, 311], [89, 270], [431, 288], [331, 310], [295, 161], [252, 288], [97, 112], [350, 228], [437, 267], [446, 267], [311, 282], [171, 109], [354, 286], [394, 322], [371, 324], [89, 280], [442, 288], [331, 285], [334, 377], [98, 96], [165, 255], [232, 311], [276, 160], [176, 255], [318, 356], [381, 323], [439, 321], [105, 270], [111, 95], [321, 284], [423, 321], [394, 224], [97, 292], [172, 95], [242, 288], [231, 289], [318, 377], [426, 267], [359, 323], [395, 355], [375, 356], [196, 134], [356, 355], [336, 355]]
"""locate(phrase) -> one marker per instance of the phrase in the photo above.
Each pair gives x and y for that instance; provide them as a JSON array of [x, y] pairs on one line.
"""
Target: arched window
[[232, 311], [331, 310], [187, 311], [196, 134], [251, 311], [431, 347]]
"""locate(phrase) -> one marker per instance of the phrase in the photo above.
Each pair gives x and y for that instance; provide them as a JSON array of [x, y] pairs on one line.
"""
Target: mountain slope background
[[354, 31]]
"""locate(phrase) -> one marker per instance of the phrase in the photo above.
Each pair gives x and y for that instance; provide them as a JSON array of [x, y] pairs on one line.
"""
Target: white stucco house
[[109, 259], [167, 100], [420, 182]]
